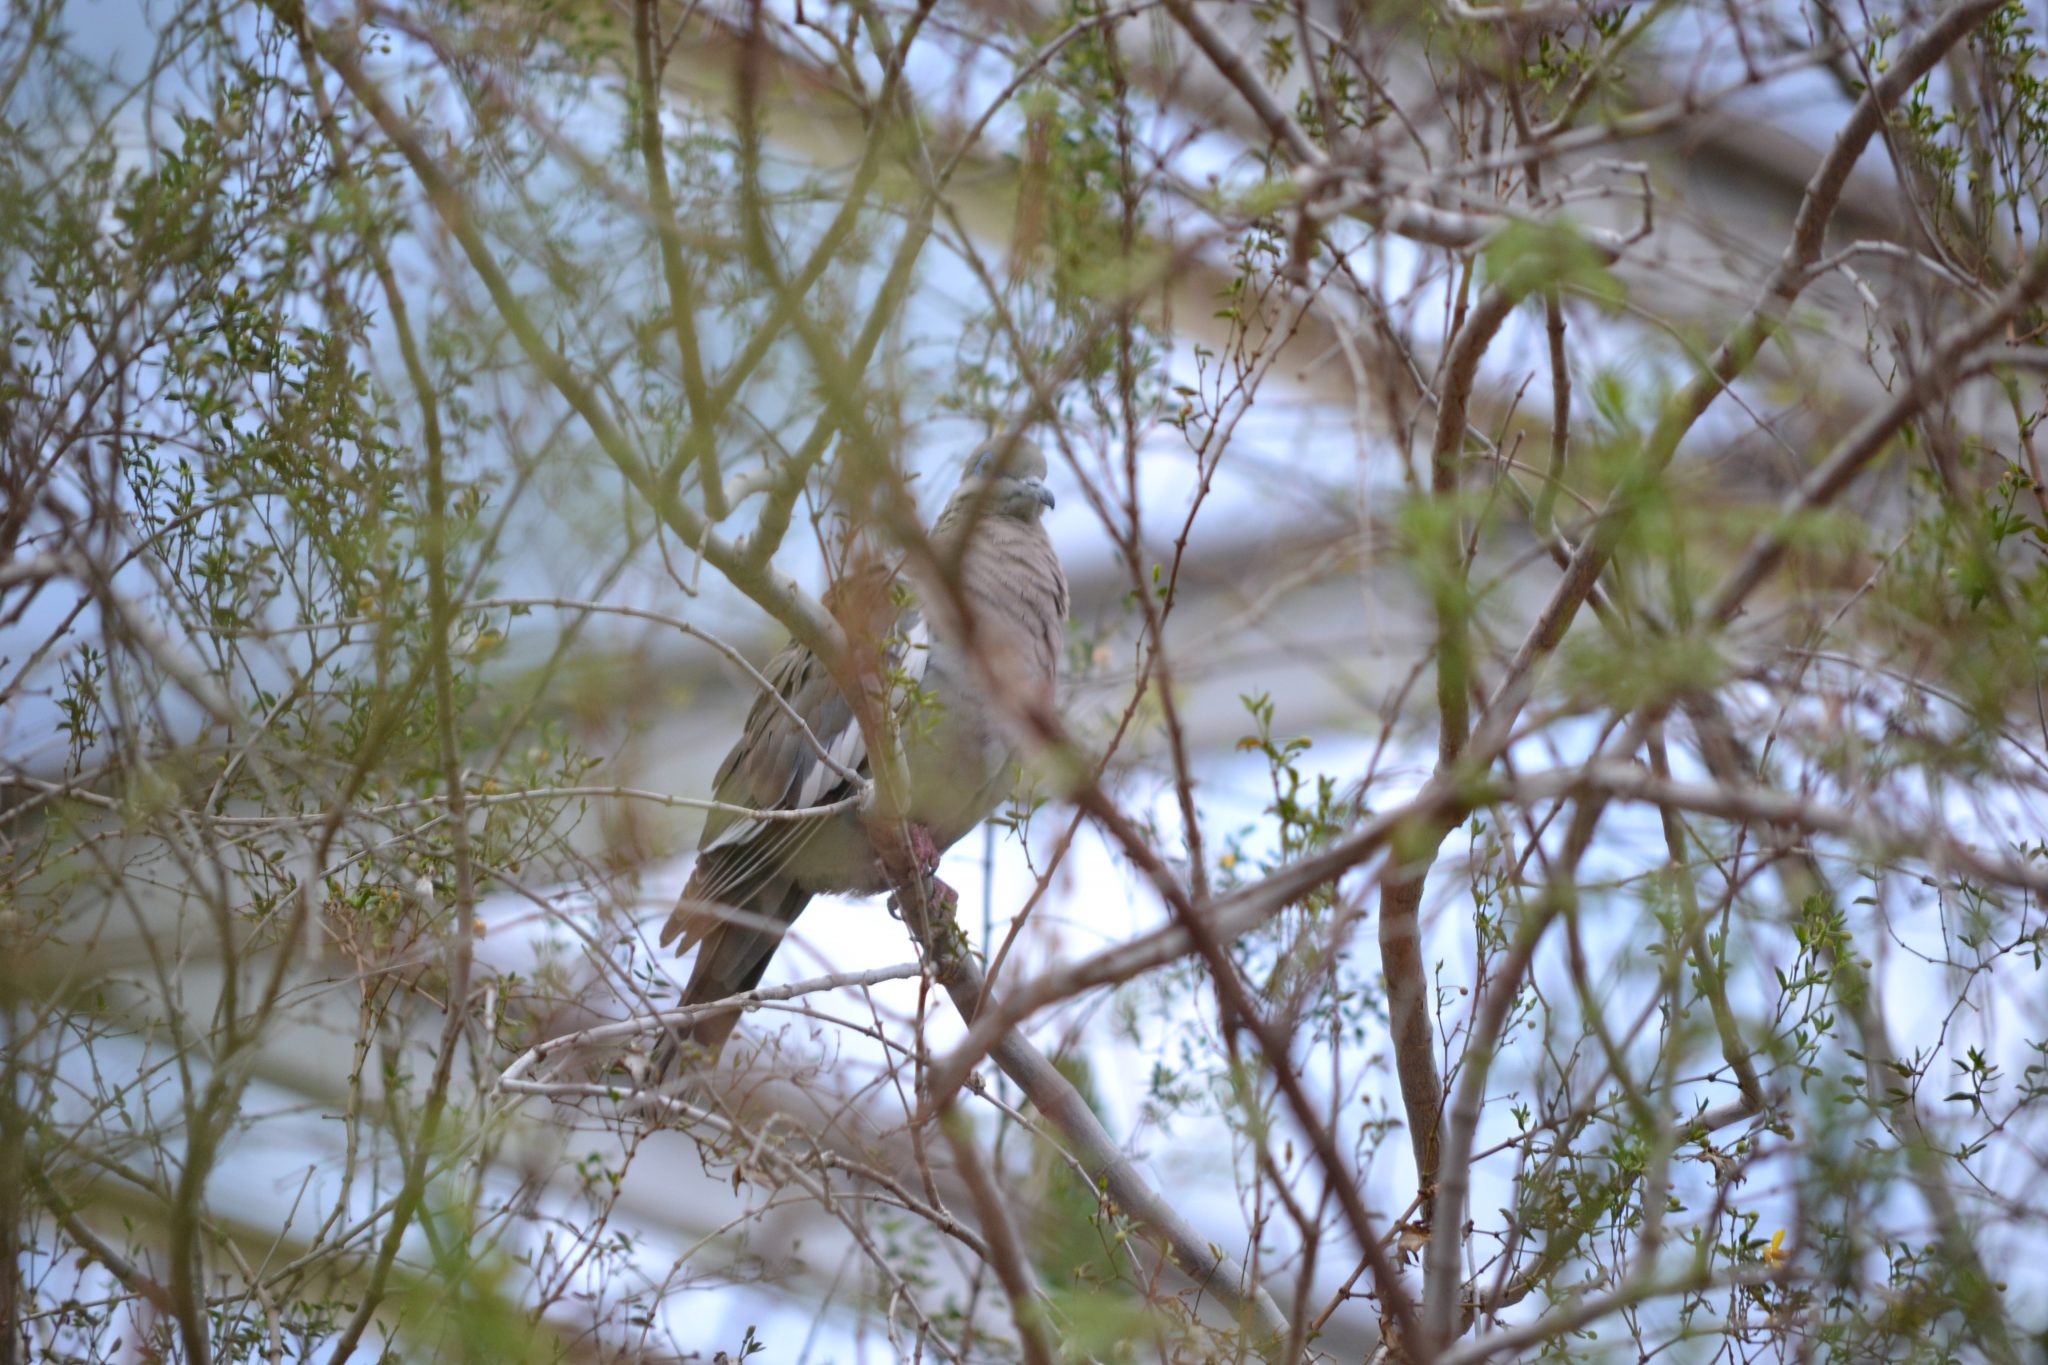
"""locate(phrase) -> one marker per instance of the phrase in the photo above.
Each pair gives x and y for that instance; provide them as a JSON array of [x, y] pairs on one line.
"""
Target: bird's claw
[[924, 857], [924, 849], [939, 898]]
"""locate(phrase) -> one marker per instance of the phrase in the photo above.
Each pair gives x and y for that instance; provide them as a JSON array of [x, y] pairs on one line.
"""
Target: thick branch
[[1064, 1108]]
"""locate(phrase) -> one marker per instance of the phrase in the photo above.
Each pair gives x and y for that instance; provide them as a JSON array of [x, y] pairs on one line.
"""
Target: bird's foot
[[924, 849], [924, 857], [942, 899], [934, 927]]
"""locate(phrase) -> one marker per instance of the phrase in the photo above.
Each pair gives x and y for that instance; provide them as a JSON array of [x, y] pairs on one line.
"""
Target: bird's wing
[[775, 766]]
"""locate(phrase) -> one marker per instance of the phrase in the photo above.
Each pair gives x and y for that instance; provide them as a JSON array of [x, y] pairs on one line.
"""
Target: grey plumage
[[754, 877]]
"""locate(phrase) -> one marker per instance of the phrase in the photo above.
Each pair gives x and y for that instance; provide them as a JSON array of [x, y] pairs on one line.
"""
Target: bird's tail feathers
[[733, 943]]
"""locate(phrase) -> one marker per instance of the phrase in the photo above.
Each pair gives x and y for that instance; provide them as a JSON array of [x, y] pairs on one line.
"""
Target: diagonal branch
[[1947, 364], [1114, 1173], [1730, 359]]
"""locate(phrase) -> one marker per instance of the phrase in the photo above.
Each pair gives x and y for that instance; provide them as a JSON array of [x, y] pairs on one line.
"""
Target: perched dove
[[754, 877]]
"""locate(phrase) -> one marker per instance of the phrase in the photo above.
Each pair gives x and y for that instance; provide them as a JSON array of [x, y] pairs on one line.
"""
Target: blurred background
[[1269, 456]]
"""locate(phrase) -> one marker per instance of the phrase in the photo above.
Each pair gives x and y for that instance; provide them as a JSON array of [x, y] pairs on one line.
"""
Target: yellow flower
[[1774, 1254]]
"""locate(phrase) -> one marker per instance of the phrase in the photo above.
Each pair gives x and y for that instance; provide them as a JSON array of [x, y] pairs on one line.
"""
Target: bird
[[753, 877]]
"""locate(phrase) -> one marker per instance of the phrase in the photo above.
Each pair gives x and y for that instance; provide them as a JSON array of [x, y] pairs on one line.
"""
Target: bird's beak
[[1045, 497]]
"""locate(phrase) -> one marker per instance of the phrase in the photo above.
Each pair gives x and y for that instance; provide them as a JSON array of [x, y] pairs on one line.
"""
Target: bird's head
[[1013, 480]]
